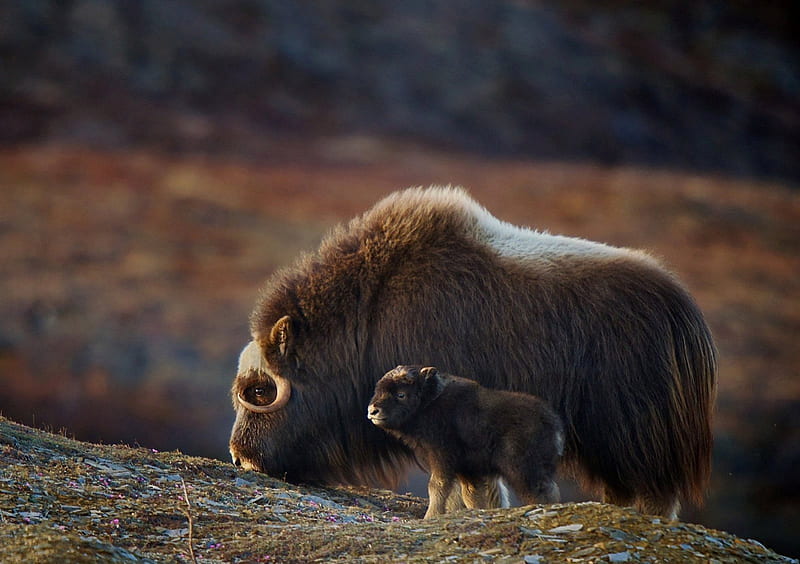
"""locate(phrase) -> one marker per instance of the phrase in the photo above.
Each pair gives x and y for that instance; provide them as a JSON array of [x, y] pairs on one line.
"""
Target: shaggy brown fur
[[606, 336], [468, 433]]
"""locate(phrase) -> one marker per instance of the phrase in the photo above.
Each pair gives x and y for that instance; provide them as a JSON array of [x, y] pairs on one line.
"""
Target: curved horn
[[253, 359], [284, 392]]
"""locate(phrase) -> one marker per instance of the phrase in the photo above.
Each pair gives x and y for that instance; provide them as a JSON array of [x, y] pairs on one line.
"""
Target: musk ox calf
[[606, 336], [467, 433]]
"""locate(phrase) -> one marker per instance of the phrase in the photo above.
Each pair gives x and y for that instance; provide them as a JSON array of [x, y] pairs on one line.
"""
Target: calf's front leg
[[440, 485]]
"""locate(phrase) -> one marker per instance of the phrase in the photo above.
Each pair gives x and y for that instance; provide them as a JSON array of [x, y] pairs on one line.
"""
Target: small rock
[[758, 544], [619, 556], [532, 559], [277, 517], [566, 528], [321, 501], [619, 535], [540, 512], [714, 541]]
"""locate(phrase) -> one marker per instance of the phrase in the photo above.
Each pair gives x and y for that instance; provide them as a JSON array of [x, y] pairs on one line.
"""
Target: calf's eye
[[401, 395]]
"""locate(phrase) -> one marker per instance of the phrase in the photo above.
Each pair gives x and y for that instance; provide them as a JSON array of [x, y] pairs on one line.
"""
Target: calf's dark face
[[392, 405], [398, 396]]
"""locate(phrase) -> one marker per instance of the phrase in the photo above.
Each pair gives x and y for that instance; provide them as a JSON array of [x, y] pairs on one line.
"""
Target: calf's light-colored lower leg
[[454, 501], [477, 493], [496, 495], [484, 493], [439, 488]]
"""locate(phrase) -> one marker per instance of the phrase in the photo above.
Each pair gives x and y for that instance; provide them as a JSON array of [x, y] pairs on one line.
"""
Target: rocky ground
[[64, 500]]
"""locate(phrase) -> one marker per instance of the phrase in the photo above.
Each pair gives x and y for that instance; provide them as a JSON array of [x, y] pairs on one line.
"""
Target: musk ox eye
[[259, 394], [400, 395]]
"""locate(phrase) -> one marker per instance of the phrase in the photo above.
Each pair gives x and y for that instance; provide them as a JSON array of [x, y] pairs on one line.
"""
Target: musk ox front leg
[[440, 485]]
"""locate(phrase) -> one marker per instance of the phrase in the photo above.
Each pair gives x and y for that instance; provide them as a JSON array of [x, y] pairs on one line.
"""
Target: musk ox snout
[[398, 395], [381, 415], [375, 414], [242, 462]]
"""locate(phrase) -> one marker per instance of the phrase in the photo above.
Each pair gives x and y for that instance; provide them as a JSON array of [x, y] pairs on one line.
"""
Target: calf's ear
[[432, 382], [428, 372], [282, 335]]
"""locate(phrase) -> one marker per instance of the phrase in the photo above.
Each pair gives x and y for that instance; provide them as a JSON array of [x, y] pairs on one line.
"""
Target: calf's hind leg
[[477, 493], [534, 487]]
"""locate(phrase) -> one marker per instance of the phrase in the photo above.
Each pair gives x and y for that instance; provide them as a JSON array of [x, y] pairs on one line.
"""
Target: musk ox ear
[[428, 372], [282, 335], [432, 382]]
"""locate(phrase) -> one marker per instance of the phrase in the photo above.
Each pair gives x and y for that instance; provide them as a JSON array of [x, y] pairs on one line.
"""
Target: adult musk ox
[[470, 434], [605, 335]]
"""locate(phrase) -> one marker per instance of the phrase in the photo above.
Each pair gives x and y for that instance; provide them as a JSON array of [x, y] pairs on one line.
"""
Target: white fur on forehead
[[252, 358]]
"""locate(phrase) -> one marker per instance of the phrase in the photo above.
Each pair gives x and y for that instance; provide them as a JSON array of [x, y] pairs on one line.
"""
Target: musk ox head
[[259, 389], [401, 393], [296, 416]]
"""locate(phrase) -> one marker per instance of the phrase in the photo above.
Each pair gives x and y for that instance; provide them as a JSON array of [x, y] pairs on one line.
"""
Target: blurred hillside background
[[158, 160]]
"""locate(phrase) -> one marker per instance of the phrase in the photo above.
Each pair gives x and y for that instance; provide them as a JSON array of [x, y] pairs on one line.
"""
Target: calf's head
[[401, 392]]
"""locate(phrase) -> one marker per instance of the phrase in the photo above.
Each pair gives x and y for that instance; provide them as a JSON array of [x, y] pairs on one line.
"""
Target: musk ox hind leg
[[667, 506]]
